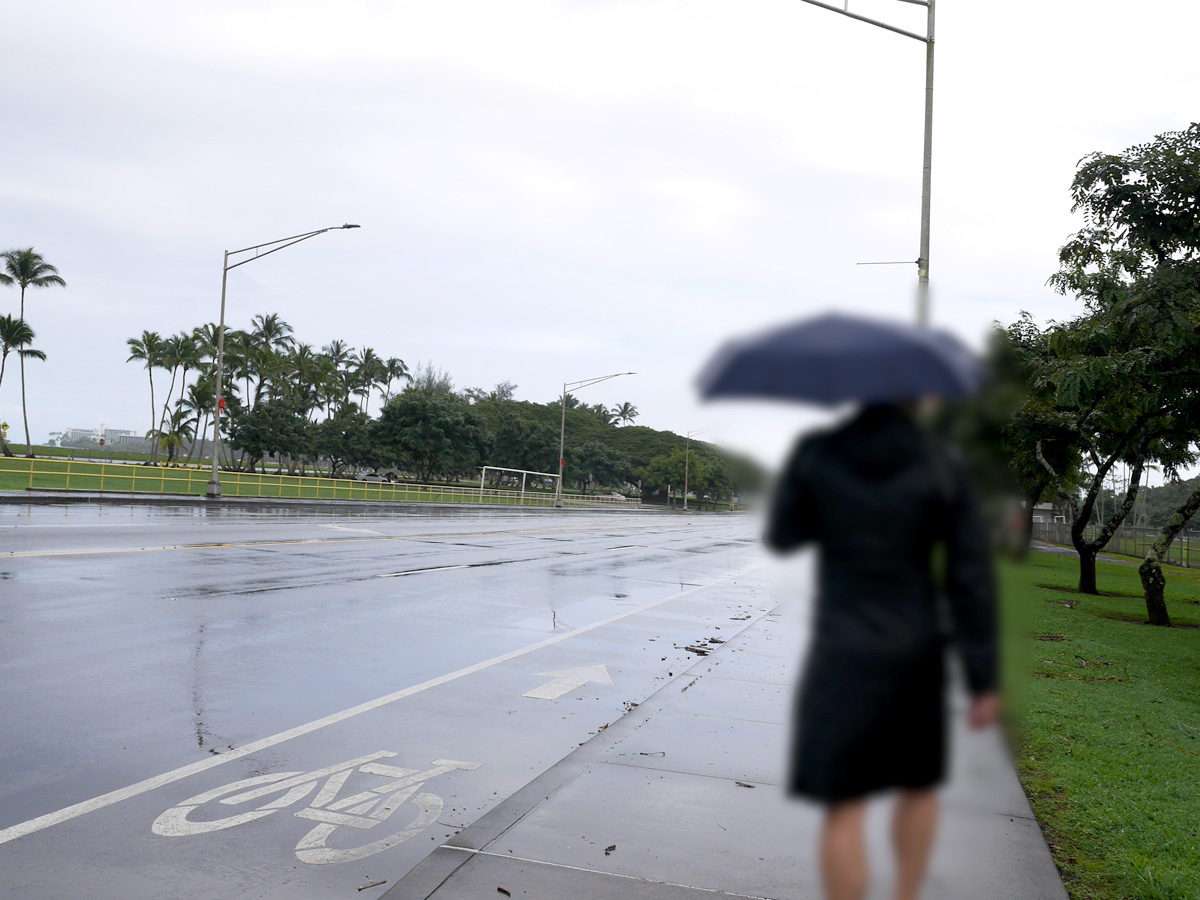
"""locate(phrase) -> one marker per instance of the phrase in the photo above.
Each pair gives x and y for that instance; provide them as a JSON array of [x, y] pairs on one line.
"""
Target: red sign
[[221, 403], [101, 442]]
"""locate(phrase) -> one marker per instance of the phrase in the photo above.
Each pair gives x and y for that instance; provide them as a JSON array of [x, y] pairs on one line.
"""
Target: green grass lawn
[[63, 474], [1107, 743]]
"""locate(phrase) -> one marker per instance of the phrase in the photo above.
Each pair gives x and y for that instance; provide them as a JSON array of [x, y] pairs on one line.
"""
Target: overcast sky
[[550, 191]]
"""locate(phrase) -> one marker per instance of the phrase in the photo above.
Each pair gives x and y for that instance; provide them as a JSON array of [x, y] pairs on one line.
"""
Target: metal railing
[[1127, 540], [69, 475]]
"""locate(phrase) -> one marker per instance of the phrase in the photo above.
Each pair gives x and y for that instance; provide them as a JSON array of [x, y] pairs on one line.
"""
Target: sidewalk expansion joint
[[541, 862]]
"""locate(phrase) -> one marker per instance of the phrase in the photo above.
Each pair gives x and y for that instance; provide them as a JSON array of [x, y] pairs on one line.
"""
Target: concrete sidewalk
[[682, 799]]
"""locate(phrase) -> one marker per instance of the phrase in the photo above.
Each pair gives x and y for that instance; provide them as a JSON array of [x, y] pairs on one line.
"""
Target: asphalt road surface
[[287, 703]]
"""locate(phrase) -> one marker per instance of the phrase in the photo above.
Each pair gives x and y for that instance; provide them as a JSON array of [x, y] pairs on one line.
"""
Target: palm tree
[[268, 335], [340, 355], [626, 412], [16, 335], [394, 368], [178, 352], [149, 349], [28, 269], [369, 370], [198, 403], [172, 436]]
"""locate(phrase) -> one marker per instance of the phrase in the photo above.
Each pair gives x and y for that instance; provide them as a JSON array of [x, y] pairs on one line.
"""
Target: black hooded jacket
[[876, 496]]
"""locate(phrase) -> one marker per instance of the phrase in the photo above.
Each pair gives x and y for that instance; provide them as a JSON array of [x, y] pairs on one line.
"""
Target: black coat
[[876, 496]]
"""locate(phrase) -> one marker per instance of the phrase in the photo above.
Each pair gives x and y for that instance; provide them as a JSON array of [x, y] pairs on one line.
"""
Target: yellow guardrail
[[69, 475]]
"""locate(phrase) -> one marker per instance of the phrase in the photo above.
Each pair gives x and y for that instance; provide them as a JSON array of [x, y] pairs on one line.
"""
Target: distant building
[[111, 437]]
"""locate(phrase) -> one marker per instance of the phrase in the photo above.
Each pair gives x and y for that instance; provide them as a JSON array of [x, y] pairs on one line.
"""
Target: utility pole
[[927, 156]]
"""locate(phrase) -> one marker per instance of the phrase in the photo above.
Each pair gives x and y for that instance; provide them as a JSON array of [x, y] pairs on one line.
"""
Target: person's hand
[[983, 711]]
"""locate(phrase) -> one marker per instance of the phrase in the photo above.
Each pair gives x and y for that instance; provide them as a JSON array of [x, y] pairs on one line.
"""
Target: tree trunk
[[1031, 500], [1087, 570], [25, 413], [153, 413], [1153, 580], [1153, 585], [3, 442], [1087, 567]]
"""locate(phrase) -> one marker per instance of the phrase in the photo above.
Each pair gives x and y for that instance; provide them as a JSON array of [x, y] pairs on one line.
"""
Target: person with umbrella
[[876, 496]]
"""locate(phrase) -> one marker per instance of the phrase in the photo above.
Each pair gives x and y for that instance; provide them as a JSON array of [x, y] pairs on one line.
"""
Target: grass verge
[[1108, 741], [60, 474]]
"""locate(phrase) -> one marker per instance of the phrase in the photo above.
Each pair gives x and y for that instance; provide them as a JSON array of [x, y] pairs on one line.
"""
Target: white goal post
[[524, 473]]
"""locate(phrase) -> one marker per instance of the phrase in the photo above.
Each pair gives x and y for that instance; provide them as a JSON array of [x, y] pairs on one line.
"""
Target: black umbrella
[[833, 359]]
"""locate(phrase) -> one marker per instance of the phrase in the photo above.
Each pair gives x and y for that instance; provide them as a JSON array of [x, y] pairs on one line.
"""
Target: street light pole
[[213, 491], [927, 156], [562, 430], [926, 178], [687, 458]]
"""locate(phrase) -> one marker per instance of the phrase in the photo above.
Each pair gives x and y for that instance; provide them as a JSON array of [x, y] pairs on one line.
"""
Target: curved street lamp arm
[[283, 243], [588, 382], [562, 427], [923, 38]]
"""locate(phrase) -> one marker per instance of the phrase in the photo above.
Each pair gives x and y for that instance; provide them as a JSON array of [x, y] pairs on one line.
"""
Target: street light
[[213, 491], [562, 431], [927, 165], [687, 458]]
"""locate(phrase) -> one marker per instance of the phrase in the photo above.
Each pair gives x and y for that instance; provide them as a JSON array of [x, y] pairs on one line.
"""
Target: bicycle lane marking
[[40, 823]]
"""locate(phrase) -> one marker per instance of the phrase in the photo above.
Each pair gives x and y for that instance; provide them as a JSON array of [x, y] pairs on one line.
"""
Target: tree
[[198, 404], [15, 336], [1092, 370], [594, 462], [520, 444], [148, 349], [626, 413], [346, 439], [172, 435], [276, 428], [1136, 264], [431, 432], [427, 377], [394, 368], [603, 414], [666, 470], [27, 269]]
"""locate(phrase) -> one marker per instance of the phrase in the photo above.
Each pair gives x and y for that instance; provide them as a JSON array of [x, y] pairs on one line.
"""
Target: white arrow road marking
[[568, 680], [354, 530]]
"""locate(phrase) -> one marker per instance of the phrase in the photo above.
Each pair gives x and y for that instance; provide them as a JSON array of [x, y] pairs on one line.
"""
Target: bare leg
[[843, 853], [913, 828]]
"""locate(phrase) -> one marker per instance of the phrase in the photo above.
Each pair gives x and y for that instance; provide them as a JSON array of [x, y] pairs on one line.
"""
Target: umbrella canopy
[[834, 359]]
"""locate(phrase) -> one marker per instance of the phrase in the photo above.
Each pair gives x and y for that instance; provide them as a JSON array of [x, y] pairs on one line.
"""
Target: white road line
[[446, 535], [419, 571], [50, 819]]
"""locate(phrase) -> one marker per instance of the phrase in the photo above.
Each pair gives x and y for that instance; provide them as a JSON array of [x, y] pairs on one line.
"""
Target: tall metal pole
[[687, 454], [562, 437], [562, 431], [213, 491], [687, 458], [926, 179], [927, 39]]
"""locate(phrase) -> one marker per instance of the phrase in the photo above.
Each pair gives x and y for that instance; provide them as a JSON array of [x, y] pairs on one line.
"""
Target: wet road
[[379, 681]]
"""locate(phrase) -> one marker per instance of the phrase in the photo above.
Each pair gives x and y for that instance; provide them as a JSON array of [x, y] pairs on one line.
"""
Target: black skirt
[[865, 724]]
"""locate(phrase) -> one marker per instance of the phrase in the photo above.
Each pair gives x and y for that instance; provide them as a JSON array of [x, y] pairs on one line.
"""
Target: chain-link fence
[[1127, 540]]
